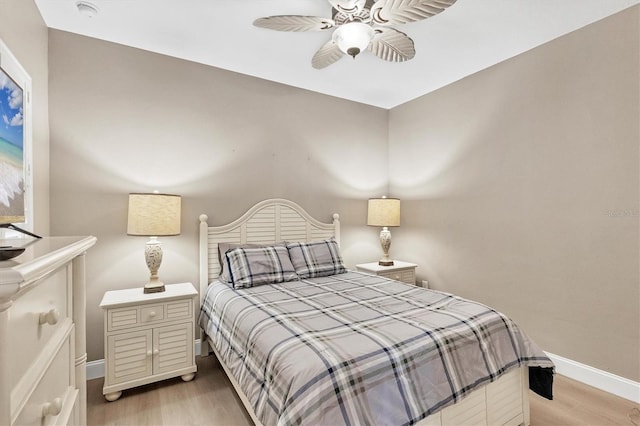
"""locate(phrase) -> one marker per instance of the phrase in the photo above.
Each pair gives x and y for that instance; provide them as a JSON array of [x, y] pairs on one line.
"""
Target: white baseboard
[[600, 379], [95, 369]]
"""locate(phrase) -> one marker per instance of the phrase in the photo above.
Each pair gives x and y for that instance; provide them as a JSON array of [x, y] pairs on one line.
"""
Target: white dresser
[[43, 334]]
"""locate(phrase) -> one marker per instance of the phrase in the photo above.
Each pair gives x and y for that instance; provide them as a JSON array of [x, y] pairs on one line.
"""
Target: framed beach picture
[[16, 197]]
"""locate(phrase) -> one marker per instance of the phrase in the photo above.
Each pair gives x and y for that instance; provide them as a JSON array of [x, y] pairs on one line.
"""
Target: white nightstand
[[148, 337], [400, 271]]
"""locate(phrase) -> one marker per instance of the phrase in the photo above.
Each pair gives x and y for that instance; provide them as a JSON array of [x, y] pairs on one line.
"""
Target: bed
[[343, 347]]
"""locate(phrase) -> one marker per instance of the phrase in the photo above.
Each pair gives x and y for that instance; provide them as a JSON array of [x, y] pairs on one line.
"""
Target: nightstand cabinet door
[[129, 356], [172, 348]]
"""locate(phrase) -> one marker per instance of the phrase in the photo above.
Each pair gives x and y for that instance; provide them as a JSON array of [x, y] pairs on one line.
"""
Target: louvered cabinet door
[[172, 348], [129, 356]]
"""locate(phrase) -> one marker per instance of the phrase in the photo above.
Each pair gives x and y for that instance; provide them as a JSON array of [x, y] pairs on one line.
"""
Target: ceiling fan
[[359, 25]]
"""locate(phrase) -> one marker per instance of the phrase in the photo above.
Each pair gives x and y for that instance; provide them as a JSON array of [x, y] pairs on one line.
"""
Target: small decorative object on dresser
[[156, 333], [43, 357], [400, 271]]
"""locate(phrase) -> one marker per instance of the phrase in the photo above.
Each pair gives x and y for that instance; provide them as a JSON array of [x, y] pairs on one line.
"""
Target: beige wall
[[25, 34], [125, 120], [520, 189]]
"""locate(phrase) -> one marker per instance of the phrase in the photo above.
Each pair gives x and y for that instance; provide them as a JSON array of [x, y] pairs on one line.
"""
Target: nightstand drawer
[[395, 275], [408, 277], [399, 271], [122, 318], [153, 313], [118, 319], [180, 309]]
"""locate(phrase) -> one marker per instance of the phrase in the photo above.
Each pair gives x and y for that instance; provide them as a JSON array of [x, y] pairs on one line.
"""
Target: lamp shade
[[383, 212], [154, 215]]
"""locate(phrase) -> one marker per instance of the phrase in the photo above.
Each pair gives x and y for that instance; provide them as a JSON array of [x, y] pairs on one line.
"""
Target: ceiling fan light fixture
[[353, 37]]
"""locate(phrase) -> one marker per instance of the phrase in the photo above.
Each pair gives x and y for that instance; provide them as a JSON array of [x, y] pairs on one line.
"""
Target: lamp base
[[154, 287], [153, 257], [385, 242]]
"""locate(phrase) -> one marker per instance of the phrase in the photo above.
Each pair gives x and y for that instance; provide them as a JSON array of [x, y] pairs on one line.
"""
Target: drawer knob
[[152, 314], [52, 317], [52, 408]]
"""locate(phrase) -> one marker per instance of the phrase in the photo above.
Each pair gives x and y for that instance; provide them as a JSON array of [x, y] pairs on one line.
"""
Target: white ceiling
[[469, 36]]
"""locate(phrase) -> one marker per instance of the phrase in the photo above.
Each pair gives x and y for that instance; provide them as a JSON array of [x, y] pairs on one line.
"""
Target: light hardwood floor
[[210, 400]]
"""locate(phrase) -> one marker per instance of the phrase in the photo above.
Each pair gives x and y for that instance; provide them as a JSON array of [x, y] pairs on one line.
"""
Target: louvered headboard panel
[[269, 221]]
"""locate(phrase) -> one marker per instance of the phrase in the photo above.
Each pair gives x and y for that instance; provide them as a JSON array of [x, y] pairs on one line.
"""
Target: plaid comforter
[[358, 349]]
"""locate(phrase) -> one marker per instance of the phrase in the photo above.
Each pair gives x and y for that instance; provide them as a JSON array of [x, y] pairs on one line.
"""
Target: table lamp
[[153, 215], [384, 212]]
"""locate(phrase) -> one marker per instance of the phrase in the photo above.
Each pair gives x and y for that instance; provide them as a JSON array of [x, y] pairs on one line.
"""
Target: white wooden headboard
[[269, 221]]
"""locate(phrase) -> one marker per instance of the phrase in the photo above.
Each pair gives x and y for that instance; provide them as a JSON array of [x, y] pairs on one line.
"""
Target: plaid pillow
[[223, 248], [249, 267], [316, 259]]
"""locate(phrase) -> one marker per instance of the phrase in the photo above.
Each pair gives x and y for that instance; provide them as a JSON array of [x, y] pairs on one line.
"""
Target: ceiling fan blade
[[348, 6], [294, 23], [326, 55], [392, 45], [394, 12]]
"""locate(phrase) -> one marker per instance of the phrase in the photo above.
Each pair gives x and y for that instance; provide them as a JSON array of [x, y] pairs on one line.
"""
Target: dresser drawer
[[123, 318], [35, 317], [54, 390]]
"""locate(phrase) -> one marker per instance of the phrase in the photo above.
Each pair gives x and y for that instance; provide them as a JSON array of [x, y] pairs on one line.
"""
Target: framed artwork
[[16, 180]]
